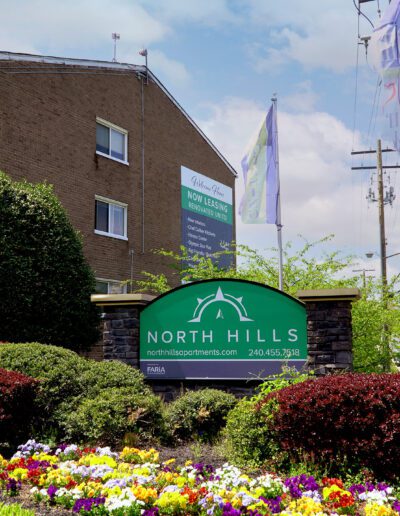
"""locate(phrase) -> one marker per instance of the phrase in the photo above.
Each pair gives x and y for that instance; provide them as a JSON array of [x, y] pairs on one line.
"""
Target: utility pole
[[364, 275], [382, 200], [381, 208]]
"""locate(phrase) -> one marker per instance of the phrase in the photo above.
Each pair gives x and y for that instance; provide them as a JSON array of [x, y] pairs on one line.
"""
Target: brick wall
[[48, 132]]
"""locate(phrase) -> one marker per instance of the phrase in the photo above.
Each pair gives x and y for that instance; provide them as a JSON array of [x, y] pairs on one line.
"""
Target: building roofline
[[90, 63]]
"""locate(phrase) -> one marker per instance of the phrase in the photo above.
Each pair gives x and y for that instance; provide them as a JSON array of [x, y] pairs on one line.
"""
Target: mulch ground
[[195, 452]]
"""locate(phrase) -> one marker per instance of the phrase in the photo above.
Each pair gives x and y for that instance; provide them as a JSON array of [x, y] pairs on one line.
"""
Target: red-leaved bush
[[17, 394], [353, 416]]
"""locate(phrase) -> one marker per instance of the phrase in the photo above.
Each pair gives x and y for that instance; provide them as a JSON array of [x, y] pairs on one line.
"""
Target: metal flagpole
[[278, 199]]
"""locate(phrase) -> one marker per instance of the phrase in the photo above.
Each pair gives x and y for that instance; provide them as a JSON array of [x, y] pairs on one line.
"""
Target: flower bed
[[97, 481]]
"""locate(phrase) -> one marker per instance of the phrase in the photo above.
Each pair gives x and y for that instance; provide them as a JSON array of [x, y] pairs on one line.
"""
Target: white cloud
[[206, 12], [78, 26], [175, 72], [317, 35], [304, 100]]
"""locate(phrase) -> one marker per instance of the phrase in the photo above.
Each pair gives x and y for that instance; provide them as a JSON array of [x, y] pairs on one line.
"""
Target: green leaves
[[45, 280]]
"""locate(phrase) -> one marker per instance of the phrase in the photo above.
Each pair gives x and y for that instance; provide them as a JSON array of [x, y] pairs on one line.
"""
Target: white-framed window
[[111, 141], [107, 286], [110, 218]]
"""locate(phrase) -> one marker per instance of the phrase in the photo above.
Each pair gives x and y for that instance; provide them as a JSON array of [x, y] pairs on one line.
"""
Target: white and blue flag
[[259, 204]]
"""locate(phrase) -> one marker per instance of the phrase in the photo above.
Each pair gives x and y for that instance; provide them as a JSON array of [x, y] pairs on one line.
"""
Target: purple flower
[[51, 491], [44, 464], [274, 504], [228, 510], [396, 506], [299, 484], [86, 504], [13, 486], [153, 511], [357, 489]]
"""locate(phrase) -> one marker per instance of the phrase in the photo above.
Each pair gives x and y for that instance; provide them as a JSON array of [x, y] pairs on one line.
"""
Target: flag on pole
[[260, 201], [384, 54]]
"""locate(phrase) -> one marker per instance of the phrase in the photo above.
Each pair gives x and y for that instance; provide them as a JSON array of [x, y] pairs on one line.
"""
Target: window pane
[[101, 222], [102, 139], [117, 145], [117, 220], [101, 287]]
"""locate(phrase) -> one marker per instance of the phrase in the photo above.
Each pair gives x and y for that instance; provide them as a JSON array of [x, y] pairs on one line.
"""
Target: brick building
[[113, 142]]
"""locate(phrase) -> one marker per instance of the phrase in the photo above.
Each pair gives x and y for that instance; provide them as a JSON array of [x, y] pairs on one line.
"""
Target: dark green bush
[[249, 435], [45, 281], [104, 375], [67, 380], [199, 414], [113, 413]]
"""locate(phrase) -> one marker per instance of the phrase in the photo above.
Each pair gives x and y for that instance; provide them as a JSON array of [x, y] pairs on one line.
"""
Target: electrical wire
[[360, 13], [355, 96]]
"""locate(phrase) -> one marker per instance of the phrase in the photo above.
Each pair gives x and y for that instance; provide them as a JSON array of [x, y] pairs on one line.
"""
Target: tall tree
[[45, 281]]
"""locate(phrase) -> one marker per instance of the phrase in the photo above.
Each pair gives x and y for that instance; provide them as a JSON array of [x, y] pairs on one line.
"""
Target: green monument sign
[[222, 329]]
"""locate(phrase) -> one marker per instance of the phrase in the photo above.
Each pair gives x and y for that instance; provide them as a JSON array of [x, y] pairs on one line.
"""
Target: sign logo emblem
[[219, 296]]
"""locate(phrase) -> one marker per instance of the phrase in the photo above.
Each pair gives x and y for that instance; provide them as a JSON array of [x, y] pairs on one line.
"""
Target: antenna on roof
[[115, 37]]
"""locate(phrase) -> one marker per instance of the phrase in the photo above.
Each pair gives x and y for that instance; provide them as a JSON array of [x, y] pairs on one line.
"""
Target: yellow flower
[[306, 507], [43, 456], [374, 509], [95, 460], [19, 474], [124, 467], [168, 462], [143, 493], [111, 491], [172, 500]]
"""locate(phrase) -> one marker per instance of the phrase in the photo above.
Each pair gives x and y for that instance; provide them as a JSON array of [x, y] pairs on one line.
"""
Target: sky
[[223, 60]]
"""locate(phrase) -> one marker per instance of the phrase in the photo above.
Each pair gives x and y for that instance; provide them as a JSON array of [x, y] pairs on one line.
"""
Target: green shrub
[[199, 414], [66, 380], [249, 436], [112, 414], [45, 281], [103, 375]]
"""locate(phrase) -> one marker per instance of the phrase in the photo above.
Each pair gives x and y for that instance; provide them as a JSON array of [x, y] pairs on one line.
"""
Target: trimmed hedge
[[349, 419], [111, 373], [199, 414], [45, 280], [112, 414], [66, 381], [17, 394]]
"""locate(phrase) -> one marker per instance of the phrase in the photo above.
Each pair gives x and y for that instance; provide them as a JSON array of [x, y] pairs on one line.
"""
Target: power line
[[360, 13]]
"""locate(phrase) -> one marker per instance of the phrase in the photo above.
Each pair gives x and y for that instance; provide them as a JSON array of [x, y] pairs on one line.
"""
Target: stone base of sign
[[120, 316], [329, 331]]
